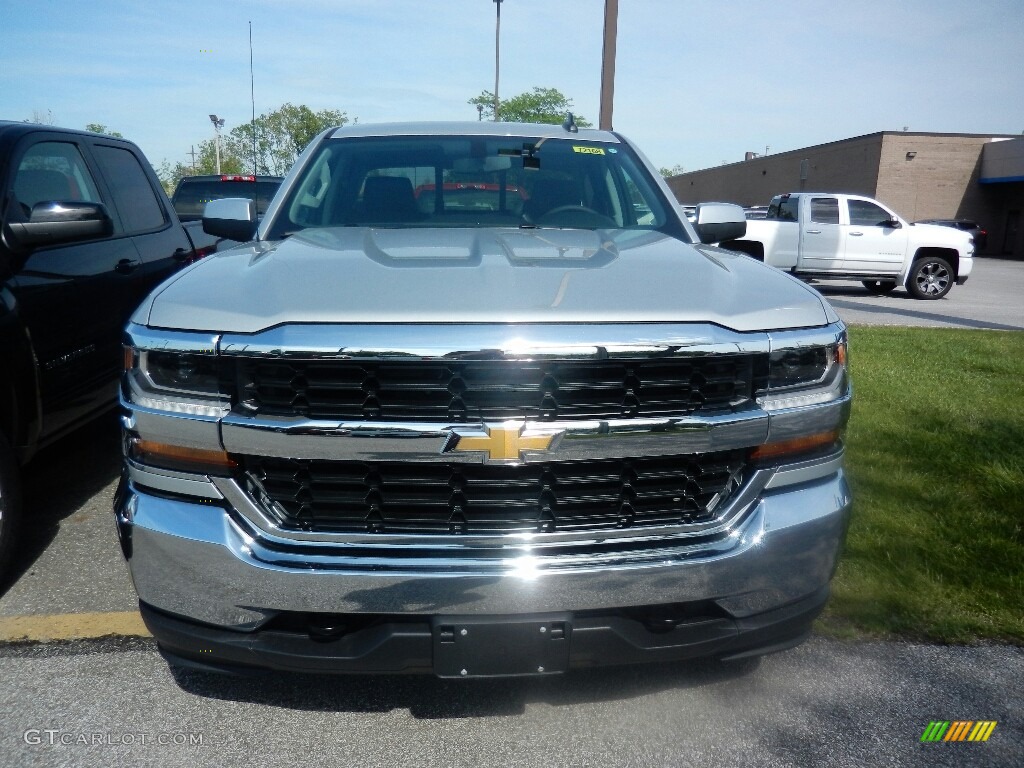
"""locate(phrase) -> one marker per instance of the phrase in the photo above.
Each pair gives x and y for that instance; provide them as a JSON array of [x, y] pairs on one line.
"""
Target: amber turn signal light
[[178, 456], [794, 446]]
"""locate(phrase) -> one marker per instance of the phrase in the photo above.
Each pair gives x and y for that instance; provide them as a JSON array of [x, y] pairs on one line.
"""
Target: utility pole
[[497, 55], [252, 96], [193, 153], [611, 24]]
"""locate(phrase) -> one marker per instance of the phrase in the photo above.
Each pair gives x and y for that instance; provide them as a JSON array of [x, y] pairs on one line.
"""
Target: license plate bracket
[[500, 646]]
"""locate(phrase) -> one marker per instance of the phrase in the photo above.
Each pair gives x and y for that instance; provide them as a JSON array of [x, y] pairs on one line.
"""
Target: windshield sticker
[[588, 150]]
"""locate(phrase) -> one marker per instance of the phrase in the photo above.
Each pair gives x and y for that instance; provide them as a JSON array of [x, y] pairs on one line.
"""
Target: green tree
[[205, 163], [280, 136], [675, 170], [541, 105], [100, 128]]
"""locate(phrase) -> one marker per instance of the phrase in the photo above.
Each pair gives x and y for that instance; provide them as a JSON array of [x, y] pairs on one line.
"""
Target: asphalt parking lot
[[825, 703], [992, 297]]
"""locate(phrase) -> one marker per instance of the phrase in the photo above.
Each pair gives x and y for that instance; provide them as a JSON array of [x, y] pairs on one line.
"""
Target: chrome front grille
[[460, 391], [440, 498]]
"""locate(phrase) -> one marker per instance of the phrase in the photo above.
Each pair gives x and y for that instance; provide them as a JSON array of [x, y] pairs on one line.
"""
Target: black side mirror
[[892, 224], [53, 223]]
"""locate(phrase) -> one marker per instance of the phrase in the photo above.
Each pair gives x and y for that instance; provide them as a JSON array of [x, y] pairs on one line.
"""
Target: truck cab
[[86, 232]]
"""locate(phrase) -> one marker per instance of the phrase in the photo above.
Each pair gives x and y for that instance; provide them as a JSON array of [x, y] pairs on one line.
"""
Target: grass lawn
[[936, 463]]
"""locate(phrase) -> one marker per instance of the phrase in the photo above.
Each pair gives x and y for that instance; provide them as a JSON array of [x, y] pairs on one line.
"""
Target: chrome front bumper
[[207, 559], [216, 568]]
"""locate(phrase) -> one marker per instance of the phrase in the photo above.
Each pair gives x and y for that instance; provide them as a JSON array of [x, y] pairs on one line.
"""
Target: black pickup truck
[[86, 232]]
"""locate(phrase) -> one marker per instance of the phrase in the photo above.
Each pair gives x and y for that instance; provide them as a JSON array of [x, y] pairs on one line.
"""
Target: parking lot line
[[72, 626]]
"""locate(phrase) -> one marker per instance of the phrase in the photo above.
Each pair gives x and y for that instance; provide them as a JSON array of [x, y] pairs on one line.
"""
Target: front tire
[[930, 278], [10, 505], [880, 287]]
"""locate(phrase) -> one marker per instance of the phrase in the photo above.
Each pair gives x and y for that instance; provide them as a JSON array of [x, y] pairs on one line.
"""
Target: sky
[[697, 83]]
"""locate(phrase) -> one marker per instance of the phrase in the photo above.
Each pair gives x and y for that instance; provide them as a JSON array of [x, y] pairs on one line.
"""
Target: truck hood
[[361, 275], [936, 234]]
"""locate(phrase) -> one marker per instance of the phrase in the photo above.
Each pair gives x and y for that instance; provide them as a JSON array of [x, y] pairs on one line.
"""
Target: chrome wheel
[[931, 278]]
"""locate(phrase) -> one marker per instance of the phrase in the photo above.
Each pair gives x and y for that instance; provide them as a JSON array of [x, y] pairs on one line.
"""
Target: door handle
[[813, 231], [125, 266], [856, 234], [183, 253]]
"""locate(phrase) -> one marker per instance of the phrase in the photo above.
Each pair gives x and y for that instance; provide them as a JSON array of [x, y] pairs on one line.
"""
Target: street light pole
[[611, 23], [497, 55], [218, 123]]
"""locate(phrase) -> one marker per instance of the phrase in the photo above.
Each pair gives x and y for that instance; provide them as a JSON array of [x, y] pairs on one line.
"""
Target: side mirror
[[231, 217], [892, 224], [53, 223], [715, 222]]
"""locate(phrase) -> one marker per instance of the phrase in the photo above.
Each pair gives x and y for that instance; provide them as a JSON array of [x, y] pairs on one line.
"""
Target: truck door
[[161, 242], [872, 244], [71, 296], [822, 244]]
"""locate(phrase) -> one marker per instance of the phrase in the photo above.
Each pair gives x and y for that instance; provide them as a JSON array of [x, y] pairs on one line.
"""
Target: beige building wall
[[932, 176], [849, 166], [919, 175], [940, 180]]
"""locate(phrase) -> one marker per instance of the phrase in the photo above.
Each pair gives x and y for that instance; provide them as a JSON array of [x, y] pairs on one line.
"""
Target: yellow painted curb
[[72, 626]]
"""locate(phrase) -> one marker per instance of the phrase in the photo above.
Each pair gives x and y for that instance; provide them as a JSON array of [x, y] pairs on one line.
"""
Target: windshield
[[471, 181], [192, 195]]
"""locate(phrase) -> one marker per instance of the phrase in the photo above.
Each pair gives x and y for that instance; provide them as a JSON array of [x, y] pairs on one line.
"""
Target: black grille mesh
[[446, 498], [492, 390]]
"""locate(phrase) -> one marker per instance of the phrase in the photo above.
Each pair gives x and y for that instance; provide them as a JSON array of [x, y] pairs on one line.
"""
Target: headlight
[[805, 375], [806, 367], [179, 382], [189, 374]]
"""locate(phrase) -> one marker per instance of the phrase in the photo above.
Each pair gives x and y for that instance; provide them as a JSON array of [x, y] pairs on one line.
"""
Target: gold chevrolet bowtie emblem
[[506, 442]]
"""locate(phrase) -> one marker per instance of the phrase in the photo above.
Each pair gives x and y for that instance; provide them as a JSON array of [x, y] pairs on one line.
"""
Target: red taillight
[[237, 178]]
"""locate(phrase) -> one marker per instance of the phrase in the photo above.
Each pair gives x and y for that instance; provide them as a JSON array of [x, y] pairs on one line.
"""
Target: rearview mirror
[[715, 222], [481, 164], [231, 217], [53, 222]]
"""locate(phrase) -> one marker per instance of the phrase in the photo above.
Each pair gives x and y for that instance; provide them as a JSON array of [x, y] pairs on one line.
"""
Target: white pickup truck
[[825, 236]]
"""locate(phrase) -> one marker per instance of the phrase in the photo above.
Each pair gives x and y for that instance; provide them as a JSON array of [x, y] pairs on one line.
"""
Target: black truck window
[[825, 210], [865, 214], [53, 170], [783, 208], [140, 209]]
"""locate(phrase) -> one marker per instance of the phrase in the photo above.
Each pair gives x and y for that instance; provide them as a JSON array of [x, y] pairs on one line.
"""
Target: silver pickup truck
[[477, 400]]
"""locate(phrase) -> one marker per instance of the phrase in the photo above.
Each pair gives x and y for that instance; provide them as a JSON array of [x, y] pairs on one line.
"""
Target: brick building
[[919, 175]]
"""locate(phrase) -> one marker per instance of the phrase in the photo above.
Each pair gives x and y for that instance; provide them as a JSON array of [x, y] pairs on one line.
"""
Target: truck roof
[[472, 128]]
